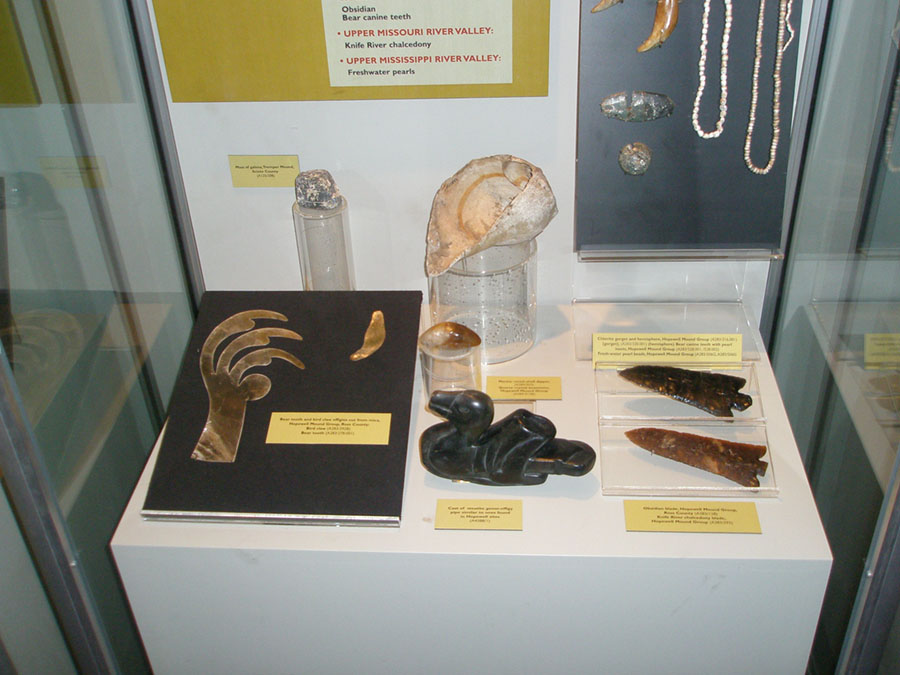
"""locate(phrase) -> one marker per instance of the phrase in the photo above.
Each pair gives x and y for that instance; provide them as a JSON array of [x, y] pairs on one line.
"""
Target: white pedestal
[[571, 592]]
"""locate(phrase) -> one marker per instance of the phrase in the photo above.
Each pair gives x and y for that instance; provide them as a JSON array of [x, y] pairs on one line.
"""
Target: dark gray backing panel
[[697, 194]]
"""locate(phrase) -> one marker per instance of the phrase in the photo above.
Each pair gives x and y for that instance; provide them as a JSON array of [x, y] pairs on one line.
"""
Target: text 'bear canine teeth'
[[664, 21]]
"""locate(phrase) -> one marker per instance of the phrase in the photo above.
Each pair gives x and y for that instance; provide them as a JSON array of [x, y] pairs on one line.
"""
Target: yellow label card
[[478, 514], [881, 350], [643, 515], [403, 42], [524, 388], [263, 170], [353, 50], [74, 172], [333, 428], [707, 348]]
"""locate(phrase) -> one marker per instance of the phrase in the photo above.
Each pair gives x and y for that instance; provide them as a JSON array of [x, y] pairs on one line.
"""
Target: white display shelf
[[220, 597]]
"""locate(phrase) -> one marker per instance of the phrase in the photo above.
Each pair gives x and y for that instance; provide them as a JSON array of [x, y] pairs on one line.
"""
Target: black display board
[[294, 482], [697, 194]]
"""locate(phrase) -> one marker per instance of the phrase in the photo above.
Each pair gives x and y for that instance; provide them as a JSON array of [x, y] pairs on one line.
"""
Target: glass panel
[[94, 311], [837, 336], [890, 663], [30, 635]]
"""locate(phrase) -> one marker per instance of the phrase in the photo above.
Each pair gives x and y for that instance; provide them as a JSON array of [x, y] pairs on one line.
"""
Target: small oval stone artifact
[[637, 106], [634, 158], [448, 339]]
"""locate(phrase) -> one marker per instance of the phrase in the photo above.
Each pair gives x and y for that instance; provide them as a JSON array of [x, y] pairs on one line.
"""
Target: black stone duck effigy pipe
[[520, 449]]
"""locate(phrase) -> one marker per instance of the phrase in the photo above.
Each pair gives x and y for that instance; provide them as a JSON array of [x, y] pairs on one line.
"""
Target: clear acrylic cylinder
[[493, 293], [450, 358], [323, 239]]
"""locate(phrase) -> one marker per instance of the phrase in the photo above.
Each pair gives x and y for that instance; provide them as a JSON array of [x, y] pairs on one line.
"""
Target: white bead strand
[[723, 72], [784, 11]]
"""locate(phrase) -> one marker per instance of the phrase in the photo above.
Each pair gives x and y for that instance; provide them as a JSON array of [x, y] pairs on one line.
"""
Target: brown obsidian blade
[[714, 393], [739, 462]]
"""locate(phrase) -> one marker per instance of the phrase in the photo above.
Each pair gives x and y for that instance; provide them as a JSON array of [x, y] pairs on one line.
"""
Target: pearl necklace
[[784, 12], [723, 73]]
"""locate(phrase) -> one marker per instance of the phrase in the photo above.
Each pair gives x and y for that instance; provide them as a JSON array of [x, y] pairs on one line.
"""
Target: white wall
[[389, 158]]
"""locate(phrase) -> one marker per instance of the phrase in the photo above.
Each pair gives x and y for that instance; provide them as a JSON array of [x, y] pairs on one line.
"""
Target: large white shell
[[494, 200]]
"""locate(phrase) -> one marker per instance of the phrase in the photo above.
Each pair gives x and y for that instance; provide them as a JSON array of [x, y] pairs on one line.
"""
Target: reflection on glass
[[837, 340], [94, 310]]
